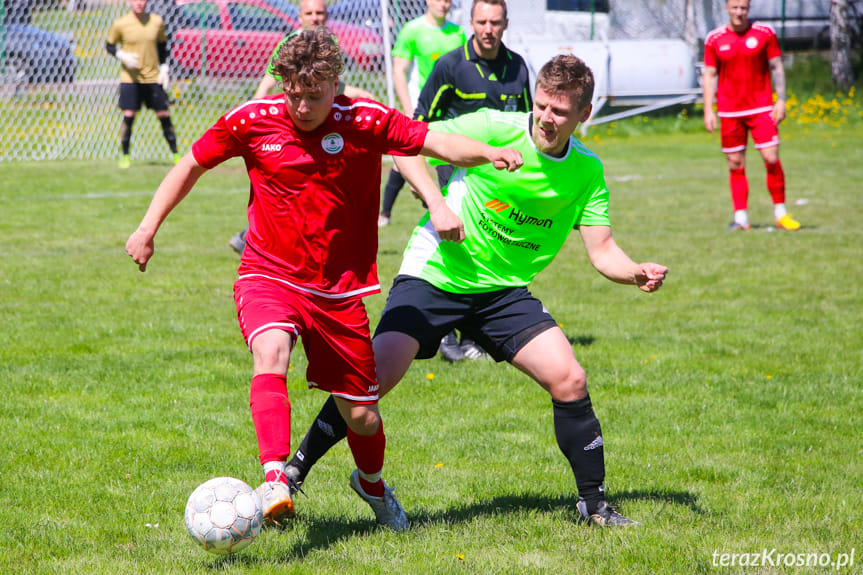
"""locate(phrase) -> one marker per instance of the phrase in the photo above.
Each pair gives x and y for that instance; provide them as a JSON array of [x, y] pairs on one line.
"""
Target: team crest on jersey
[[333, 143], [751, 43]]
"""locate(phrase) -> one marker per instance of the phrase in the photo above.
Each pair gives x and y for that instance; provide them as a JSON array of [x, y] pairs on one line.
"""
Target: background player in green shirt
[[472, 256], [422, 41]]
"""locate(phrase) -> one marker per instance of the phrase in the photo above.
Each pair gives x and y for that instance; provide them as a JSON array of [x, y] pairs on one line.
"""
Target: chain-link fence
[[59, 90], [58, 97]]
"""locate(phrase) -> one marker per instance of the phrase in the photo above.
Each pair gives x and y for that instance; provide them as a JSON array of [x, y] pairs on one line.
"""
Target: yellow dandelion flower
[[429, 376]]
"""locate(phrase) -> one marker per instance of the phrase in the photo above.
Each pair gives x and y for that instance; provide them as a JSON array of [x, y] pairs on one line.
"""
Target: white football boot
[[388, 510]]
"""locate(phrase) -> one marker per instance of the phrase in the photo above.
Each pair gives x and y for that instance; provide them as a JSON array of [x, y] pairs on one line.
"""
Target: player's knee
[[571, 386], [271, 355], [364, 421], [735, 164]]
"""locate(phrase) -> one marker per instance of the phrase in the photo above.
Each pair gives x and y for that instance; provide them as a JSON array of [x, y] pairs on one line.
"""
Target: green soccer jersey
[[515, 223], [424, 43]]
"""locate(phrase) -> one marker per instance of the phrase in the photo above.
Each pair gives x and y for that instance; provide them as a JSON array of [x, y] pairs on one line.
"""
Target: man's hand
[[128, 59], [164, 77], [507, 159], [778, 112], [649, 276], [448, 226], [140, 247], [709, 120]]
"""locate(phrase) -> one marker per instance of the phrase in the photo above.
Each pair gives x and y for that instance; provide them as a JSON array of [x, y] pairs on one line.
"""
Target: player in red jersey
[[314, 164], [745, 56]]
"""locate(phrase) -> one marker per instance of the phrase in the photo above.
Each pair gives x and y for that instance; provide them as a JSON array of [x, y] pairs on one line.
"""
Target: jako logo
[[271, 147], [496, 206]]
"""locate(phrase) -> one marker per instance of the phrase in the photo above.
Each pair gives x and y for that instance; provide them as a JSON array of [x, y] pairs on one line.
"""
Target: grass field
[[730, 400]]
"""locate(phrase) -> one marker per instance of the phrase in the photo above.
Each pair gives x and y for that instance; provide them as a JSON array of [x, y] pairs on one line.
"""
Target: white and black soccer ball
[[224, 515]]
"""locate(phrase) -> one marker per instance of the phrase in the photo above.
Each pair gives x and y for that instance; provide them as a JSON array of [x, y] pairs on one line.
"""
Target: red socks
[[739, 188], [271, 414], [776, 182], [368, 452]]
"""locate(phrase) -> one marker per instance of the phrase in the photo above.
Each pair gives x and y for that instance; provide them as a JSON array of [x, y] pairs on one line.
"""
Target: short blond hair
[[567, 73]]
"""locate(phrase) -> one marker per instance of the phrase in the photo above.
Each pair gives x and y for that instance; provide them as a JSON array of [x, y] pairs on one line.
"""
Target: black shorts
[[501, 321], [133, 95]]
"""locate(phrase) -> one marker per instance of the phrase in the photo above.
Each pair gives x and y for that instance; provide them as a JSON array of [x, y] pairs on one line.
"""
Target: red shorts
[[734, 130], [335, 334]]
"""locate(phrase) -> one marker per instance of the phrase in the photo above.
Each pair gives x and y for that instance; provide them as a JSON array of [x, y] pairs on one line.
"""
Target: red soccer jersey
[[744, 75], [314, 196]]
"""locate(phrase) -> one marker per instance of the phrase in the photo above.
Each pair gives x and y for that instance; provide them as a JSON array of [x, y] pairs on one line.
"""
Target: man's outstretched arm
[[465, 152], [176, 186], [612, 262]]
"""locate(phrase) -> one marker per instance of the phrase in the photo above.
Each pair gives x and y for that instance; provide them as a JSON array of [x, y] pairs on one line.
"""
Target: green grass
[[730, 399]]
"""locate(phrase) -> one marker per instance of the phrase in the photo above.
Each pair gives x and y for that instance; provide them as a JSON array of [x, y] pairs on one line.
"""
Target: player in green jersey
[[421, 42], [472, 256]]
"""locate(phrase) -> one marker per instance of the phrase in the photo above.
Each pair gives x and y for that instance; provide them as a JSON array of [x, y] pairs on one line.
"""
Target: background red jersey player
[[745, 57], [314, 164]]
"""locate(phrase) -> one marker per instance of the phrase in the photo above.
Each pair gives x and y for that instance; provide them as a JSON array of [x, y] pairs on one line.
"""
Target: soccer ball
[[224, 515]]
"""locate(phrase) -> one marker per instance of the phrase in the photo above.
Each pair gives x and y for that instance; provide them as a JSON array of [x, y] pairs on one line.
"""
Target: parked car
[[368, 13], [30, 55], [236, 37]]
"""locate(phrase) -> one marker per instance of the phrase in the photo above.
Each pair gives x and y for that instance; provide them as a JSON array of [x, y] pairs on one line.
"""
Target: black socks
[[327, 430], [579, 437]]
